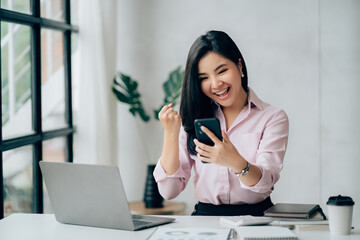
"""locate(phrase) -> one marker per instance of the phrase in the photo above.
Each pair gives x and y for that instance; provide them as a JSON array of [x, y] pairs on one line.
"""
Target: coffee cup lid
[[340, 201]]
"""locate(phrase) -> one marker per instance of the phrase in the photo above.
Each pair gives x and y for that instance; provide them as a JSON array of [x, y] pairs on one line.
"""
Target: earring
[[242, 75]]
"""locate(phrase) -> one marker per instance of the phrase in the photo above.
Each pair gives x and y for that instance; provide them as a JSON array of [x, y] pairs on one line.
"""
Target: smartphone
[[213, 124]]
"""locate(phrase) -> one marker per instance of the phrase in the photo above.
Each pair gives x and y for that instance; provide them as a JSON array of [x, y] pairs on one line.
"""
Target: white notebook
[[264, 232]]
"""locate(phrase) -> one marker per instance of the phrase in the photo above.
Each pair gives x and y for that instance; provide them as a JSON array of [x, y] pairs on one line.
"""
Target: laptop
[[92, 195]]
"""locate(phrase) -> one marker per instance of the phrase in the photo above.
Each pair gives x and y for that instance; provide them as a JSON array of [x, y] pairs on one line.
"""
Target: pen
[[232, 234]]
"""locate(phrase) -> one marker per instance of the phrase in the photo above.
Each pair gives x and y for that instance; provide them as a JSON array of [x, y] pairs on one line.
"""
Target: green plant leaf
[[120, 96], [125, 89], [172, 89], [143, 115], [133, 111], [156, 113]]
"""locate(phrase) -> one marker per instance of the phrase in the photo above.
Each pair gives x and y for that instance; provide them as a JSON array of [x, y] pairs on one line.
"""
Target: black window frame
[[36, 23]]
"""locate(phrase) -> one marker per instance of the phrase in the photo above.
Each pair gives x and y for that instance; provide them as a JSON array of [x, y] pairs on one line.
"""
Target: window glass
[[53, 151], [18, 61], [52, 9], [75, 75], [16, 5], [74, 9], [16, 80], [18, 180], [52, 80]]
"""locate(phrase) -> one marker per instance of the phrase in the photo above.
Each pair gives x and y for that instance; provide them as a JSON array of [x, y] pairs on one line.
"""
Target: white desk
[[45, 227]]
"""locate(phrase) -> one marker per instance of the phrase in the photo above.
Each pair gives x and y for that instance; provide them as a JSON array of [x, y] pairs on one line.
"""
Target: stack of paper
[[298, 216]]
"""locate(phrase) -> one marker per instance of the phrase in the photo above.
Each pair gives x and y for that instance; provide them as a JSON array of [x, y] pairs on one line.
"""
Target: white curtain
[[95, 140]]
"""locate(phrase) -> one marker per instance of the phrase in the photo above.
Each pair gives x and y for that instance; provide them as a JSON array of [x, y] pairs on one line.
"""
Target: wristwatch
[[244, 171]]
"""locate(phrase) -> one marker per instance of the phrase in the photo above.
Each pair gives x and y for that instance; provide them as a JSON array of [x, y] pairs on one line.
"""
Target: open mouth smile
[[223, 92]]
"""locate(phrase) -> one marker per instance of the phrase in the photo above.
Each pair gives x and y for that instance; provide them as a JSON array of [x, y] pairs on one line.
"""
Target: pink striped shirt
[[259, 133]]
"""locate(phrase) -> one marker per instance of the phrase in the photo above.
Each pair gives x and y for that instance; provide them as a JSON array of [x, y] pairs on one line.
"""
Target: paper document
[[264, 232], [166, 233]]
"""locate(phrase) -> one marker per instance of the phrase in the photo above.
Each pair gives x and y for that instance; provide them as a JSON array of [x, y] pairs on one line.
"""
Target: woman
[[244, 167]]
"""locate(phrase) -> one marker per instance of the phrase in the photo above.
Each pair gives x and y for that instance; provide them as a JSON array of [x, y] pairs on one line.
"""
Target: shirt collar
[[254, 100]]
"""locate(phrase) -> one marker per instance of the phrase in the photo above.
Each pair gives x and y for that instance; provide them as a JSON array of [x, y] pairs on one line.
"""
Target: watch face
[[244, 171]]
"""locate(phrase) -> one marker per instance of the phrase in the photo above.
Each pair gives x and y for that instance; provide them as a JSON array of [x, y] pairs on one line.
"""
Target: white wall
[[302, 56], [339, 98]]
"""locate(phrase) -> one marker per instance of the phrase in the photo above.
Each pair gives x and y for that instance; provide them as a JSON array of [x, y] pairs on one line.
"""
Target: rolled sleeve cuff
[[265, 183], [160, 174]]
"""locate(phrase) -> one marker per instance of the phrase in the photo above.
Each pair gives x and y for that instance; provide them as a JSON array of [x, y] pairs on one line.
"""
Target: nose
[[216, 82]]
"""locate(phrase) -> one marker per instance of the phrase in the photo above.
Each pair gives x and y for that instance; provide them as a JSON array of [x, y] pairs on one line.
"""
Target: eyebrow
[[217, 68]]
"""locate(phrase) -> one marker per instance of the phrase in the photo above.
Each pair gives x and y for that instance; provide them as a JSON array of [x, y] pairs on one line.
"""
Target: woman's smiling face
[[221, 79]]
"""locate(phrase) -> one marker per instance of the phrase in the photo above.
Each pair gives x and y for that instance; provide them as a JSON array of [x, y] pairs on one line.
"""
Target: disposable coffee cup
[[340, 210]]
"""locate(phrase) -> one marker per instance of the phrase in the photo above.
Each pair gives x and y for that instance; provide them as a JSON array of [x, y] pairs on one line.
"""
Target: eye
[[223, 70], [202, 79]]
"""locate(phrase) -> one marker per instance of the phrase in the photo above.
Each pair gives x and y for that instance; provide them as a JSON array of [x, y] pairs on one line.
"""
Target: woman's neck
[[231, 112]]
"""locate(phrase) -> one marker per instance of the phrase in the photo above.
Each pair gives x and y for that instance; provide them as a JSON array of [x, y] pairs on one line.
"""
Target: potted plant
[[125, 89]]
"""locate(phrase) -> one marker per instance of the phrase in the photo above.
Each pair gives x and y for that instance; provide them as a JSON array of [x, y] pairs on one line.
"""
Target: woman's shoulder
[[269, 108], [274, 113], [265, 108]]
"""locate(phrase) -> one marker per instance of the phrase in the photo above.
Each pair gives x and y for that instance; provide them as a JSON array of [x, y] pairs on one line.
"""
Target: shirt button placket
[[225, 183]]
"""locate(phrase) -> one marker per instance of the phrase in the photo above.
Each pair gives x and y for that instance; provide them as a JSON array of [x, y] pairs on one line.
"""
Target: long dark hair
[[194, 103]]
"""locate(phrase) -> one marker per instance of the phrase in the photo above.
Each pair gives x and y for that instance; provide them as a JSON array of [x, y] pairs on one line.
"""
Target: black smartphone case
[[213, 124]]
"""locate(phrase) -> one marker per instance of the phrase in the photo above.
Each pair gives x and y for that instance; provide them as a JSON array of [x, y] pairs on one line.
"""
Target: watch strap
[[244, 171]]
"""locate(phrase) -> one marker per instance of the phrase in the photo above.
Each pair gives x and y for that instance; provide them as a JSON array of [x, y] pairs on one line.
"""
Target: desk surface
[[44, 227], [170, 208]]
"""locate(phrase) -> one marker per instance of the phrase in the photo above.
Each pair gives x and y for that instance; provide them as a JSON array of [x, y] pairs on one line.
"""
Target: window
[[38, 50]]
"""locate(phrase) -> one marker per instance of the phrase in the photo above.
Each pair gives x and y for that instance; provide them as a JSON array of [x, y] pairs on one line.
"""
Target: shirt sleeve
[[271, 151], [170, 186]]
